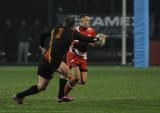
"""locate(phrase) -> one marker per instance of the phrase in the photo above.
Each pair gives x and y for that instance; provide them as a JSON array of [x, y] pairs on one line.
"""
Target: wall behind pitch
[[17, 10]]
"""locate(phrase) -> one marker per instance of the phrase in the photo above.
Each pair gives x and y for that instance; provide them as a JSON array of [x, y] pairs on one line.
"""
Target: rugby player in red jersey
[[77, 57]]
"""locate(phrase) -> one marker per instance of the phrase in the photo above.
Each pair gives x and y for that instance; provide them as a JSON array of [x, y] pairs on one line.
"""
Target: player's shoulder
[[91, 29]]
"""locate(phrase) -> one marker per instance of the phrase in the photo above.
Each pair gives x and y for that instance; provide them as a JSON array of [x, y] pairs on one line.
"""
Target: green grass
[[108, 90]]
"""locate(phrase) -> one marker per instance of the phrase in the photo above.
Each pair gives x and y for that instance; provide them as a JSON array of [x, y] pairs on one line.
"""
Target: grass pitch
[[108, 90]]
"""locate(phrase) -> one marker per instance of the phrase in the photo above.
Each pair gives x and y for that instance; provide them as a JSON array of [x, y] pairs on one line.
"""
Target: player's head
[[69, 22], [85, 21]]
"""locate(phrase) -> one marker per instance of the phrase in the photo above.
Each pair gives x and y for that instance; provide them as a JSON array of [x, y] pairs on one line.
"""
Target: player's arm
[[82, 38], [43, 36], [79, 45], [94, 35]]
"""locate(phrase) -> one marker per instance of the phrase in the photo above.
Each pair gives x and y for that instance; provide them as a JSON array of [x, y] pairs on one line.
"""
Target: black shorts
[[46, 69]]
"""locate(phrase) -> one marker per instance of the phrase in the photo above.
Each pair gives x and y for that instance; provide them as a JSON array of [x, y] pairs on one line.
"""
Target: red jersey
[[80, 48]]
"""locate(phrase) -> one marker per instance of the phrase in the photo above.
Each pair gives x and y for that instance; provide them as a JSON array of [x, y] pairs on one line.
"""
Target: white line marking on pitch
[[91, 97]]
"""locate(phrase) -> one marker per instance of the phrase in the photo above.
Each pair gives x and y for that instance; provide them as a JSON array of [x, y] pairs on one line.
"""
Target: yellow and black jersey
[[61, 39]]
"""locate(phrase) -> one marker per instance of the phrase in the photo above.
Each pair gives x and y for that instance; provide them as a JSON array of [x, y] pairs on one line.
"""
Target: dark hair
[[69, 21]]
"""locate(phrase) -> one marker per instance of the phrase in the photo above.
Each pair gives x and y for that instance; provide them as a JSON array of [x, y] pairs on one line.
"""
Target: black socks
[[32, 90], [62, 84]]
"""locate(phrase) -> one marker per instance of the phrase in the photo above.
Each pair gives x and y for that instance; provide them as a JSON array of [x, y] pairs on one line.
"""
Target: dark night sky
[[23, 9], [32, 9]]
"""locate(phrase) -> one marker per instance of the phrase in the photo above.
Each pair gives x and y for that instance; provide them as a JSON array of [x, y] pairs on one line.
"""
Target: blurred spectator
[[9, 40], [24, 38], [2, 45], [44, 30], [60, 9], [36, 29], [1, 37]]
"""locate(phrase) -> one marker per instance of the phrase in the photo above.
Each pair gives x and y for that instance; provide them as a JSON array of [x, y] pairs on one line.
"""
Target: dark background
[[46, 12]]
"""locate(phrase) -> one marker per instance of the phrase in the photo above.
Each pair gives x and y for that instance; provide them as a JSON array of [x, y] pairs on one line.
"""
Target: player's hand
[[102, 38], [43, 50]]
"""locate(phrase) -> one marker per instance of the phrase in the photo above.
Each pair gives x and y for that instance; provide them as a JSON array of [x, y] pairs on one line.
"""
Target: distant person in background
[[9, 40], [36, 29], [24, 38], [1, 37], [2, 45]]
